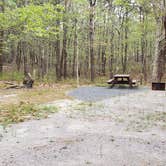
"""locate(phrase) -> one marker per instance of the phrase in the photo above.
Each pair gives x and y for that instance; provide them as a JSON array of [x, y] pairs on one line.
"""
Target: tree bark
[[160, 46], [19, 54], [143, 43], [64, 49], [126, 43], [1, 40], [91, 39], [160, 53], [75, 49], [25, 58], [1, 51]]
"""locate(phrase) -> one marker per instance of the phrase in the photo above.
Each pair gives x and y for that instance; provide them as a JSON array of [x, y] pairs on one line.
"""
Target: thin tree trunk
[[91, 39], [126, 44], [143, 44], [77, 57], [75, 49], [58, 53], [1, 51], [24, 51], [103, 58], [64, 49], [1, 40], [19, 54]]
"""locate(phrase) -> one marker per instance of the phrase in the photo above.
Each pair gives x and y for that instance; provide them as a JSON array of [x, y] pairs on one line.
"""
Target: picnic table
[[122, 79]]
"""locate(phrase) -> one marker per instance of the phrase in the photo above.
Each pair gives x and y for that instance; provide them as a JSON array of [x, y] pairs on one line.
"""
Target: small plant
[[49, 108]]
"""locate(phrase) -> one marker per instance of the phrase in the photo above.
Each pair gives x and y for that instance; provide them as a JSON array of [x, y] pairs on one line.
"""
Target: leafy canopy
[[38, 20]]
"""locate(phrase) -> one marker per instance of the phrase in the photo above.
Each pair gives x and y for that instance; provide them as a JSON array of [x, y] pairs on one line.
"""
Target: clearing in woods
[[98, 126]]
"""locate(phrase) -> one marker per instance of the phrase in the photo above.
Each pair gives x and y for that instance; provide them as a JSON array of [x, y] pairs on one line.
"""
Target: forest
[[82, 82], [64, 39]]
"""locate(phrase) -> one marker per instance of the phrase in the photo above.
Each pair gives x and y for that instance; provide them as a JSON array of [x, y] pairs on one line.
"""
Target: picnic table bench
[[122, 79]]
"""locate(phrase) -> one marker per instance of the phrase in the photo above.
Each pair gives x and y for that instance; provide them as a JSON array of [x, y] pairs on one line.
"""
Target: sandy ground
[[124, 130]]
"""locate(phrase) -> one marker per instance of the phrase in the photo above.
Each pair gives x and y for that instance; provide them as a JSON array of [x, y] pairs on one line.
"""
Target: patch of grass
[[24, 111], [49, 108], [83, 106], [88, 107], [31, 103], [12, 76], [149, 120], [43, 95], [99, 81], [88, 163], [102, 85], [155, 117]]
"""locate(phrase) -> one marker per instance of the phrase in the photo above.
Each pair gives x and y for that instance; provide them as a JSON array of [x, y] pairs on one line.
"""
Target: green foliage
[[39, 23], [124, 3], [10, 3], [33, 20]]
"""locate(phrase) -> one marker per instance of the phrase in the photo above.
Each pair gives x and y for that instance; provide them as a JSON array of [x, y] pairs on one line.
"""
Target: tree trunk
[[1, 40], [126, 43], [143, 43], [1, 51], [25, 58], [91, 39], [160, 46], [64, 52], [64, 49], [75, 50], [160, 52], [58, 53], [18, 56]]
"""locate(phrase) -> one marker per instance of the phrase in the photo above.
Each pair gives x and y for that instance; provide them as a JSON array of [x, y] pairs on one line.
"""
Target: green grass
[[12, 76], [155, 117], [24, 111], [149, 120], [31, 103], [88, 106], [48, 108]]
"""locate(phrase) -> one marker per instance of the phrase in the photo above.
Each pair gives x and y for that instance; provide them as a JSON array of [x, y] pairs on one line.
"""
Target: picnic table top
[[121, 76]]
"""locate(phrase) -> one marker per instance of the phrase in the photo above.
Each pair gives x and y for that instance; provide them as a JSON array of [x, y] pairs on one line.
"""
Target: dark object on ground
[[158, 86], [122, 79], [28, 81]]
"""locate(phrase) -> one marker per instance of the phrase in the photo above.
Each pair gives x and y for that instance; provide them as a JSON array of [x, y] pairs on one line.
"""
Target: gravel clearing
[[101, 93], [128, 129]]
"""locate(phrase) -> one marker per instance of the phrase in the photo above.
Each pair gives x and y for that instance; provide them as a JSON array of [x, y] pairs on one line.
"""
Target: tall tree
[[1, 38], [91, 38], [160, 50], [51, 28], [64, 49], [58, 49]]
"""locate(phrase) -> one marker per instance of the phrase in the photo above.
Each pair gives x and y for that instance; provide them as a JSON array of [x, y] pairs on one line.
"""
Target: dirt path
[[125, 130]]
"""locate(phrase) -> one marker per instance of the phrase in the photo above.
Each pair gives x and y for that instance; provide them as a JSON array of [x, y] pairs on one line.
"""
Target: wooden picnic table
[[122, 79]]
